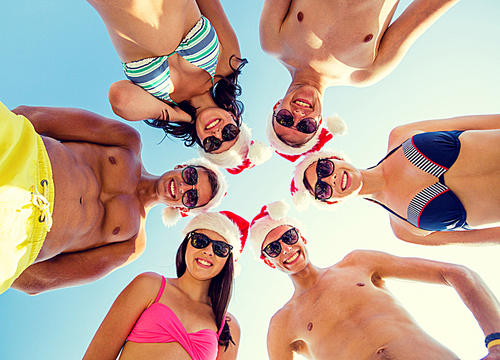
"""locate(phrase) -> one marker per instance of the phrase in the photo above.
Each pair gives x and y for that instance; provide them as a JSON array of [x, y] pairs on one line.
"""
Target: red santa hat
[[270, 217], [333, 125], [172, 214], [230, 226], [244, 154], [300, 195]]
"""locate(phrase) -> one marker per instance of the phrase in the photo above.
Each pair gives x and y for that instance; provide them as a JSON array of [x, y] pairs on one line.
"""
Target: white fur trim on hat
[[172, 214], [302, 198], [277, 217], [235, 155], [219, 223], [334, 124]]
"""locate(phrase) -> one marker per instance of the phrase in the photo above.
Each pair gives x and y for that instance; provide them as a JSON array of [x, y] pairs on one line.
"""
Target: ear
[[303, 239], [269, 263], [277, 104]]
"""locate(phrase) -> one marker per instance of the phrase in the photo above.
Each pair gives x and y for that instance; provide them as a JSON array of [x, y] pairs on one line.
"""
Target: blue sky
[[57, 53]]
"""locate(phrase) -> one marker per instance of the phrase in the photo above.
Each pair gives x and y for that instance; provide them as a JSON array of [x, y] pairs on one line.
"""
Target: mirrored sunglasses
[[306, 126], [290, 237], [201, 241], [228, 133]]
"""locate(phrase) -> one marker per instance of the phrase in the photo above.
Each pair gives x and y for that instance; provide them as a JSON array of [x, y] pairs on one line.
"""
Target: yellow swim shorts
[[26, 195]]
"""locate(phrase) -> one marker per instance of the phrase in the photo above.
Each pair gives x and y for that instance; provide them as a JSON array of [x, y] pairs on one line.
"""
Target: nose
[[185, 187], [209, 251], [286, 248]]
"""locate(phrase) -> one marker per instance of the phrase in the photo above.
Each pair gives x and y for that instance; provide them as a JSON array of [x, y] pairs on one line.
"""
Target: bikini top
[[200, 47], [435, 208], [159, 324]]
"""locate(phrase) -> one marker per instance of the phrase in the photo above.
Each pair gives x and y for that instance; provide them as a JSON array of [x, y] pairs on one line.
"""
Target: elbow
[[455, 274], [119, 97]]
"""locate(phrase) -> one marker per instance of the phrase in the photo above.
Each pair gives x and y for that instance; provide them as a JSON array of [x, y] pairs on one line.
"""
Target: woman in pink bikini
[[185, 317]]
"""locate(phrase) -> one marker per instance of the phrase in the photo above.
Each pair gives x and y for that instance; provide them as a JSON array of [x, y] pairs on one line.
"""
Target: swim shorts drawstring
[[41, 202]]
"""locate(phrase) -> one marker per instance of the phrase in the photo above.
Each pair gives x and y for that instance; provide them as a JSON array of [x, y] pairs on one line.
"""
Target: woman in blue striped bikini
[[439, 181], [182, 59]]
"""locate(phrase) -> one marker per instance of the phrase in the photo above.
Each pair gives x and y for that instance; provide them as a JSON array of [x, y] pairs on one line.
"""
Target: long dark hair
[[224, 93], [220, 290]]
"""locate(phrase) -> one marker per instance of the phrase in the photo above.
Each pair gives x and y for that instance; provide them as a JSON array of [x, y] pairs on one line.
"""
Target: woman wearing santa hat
[[438, 176], [184, 317]]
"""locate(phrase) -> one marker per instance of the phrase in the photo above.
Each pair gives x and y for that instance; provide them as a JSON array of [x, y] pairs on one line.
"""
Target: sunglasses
[[229, 132], [273, 249], [201, 241], [190, 177], [285, 118], [322, 190]]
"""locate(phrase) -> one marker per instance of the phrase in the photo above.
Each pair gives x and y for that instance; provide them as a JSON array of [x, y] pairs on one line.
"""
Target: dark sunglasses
[[190, 177], [290, 237], [322, 190], [201, 241], [229, 132], [285, 118]]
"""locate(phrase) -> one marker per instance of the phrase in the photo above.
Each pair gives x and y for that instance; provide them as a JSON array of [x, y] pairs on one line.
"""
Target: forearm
[[477, 297]]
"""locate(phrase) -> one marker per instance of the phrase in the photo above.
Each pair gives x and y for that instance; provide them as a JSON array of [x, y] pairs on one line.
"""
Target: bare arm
[[272, 17], [232, 350], [279, 346], [399, 37], [69, 124], [213, 11], [473, 122], [408, 233], [470, 287], [78, 268], [133, 103], [121, 318]]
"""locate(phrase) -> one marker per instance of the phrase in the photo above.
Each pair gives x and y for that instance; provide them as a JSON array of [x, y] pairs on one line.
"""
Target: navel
[[112, 160], [81, 200], [368, 38], [360, 284], [309, 326], [116, 230], [300, 16]]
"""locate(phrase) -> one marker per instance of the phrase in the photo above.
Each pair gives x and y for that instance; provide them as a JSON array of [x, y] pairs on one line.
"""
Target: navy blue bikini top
[[435, 208]]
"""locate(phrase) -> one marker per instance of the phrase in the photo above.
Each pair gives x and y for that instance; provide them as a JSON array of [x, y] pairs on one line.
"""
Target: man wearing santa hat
[[74, 196], [345, 311]]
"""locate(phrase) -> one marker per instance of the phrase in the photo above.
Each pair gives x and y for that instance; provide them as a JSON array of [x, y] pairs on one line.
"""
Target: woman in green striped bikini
[[182, 59]]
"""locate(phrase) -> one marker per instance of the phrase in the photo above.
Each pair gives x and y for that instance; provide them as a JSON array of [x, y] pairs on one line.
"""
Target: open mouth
[[171, 189], [344, 181], [212, 124], [203, 262], [292, 258], [303, 103]]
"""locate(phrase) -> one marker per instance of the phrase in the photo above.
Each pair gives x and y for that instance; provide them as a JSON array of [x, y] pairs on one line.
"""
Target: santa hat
[[230, 226], [172, 214], [270, 217], [244, 154], [334, 125], [300, 195]]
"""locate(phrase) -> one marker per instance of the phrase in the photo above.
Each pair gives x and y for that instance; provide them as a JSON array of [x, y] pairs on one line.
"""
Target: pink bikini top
[[159, 324]]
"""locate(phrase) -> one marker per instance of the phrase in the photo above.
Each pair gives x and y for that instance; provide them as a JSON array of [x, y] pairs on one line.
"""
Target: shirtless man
[[85, 211], [347, 310], [333, 43]]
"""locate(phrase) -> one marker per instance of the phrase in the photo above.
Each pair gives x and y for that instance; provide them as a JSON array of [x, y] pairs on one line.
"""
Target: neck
[[306, 278], [203, 101], [308, 77], [196, 290], [373, 182], [146, 190]]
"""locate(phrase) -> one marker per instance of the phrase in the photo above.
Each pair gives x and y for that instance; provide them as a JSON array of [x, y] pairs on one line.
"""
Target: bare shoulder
[[147, 284]]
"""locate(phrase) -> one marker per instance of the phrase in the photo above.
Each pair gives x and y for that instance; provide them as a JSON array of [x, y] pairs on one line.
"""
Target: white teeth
[[212, 124], [344, 181], [172, 188], [203, 262], [301, 103], [292, 258]]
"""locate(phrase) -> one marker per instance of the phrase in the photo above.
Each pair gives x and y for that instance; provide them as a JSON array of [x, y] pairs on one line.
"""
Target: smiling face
[[210, 122], [345, 180], [302, 102], [293, 258], [203, 264], [171, 188]]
